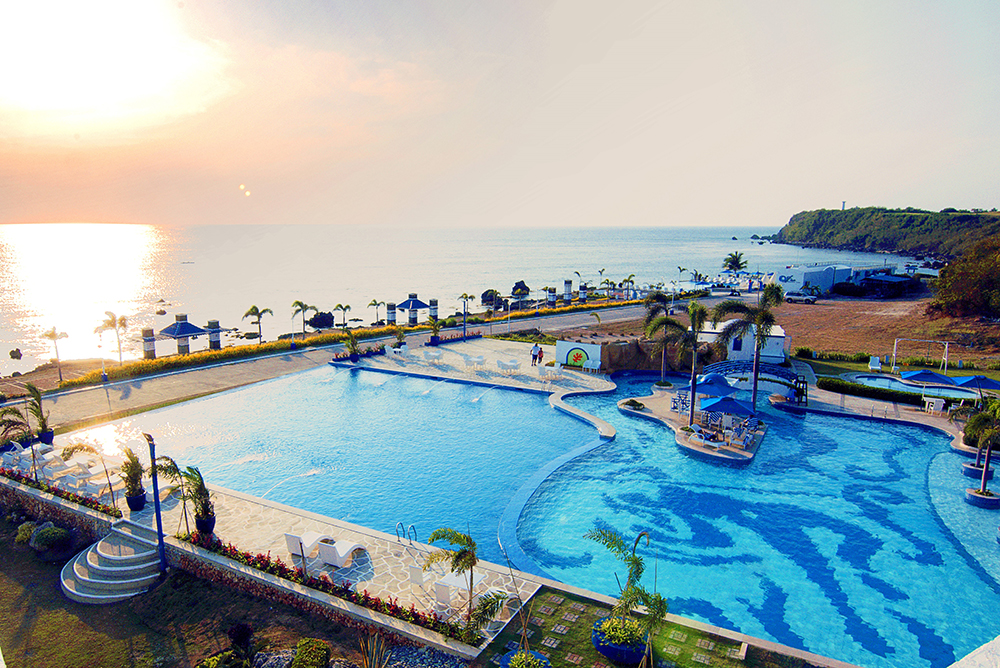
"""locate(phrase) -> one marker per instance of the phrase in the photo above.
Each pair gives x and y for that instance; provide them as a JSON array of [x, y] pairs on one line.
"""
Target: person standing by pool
[[541, 354], [535, 349]]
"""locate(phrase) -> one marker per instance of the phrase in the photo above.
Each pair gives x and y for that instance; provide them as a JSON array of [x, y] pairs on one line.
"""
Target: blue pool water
[[829, 541], [368, 448], [846, 537], [929, 390]]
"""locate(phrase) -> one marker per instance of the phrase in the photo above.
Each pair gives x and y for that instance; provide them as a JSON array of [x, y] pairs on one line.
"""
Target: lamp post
[[156, 506]]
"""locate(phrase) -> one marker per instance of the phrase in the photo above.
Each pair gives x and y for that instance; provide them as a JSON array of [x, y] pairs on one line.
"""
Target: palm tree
[[169, 469], [982, 429], [258, 313], [459, 560], [629, 281], [608, 285], [117, 323], [375, 304], [301, 308], [82, 446], [344, 308], [680, 272], [54, 336], [657, 320], [734, 262], [756, 321]]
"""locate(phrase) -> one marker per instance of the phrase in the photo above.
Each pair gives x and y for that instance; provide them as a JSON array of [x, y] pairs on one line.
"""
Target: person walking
[[535, 349]]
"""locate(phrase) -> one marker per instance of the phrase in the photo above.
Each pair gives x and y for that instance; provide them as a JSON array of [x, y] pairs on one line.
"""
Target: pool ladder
[[406, 532]]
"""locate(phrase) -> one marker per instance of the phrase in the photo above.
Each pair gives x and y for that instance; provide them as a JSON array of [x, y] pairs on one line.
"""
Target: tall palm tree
[[344, 308], [626, 282], [83, 446], [375, 304], [117, 323], [982, 429], [753, 320], [301, 308], [459, 560], [658, 322], [53, 335], [258, 313], [734, 262], [608, 286]]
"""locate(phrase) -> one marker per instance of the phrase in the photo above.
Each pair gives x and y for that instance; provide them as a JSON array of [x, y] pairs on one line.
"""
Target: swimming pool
[[829, 541], [929, 390], [368, 448]]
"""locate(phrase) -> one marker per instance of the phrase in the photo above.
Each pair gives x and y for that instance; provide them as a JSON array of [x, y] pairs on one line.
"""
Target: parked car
[[800, 297]]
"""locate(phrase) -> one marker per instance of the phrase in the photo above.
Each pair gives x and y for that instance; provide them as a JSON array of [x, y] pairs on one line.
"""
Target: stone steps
[[120, 565]]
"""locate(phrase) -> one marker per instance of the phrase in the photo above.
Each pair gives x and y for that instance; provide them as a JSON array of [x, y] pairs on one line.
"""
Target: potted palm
[[620, 637], [45, 434], [197, 493], [81, 446], [131, 474], [435, 325], [353, 347]]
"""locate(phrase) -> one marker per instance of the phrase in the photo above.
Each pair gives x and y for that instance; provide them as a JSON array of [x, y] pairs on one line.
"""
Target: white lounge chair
[[305, 544], [874, 364], [338, 553]]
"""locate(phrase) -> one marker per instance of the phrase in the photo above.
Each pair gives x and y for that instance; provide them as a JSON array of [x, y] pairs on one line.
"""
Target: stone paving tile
[[579, 607], [570, 617], [556, 600], [678, 636], [561, 629], [574, 658], [549, 641], [672, 650], [702, 658], [546, 610], [705, 643]]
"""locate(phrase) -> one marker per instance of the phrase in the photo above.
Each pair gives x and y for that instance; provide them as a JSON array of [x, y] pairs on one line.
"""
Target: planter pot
[[47, 436], [435, 341], [625, 655], [354, 357], [973, 471], [380, 351], [974, 498], [137, 502], [205, 525], [505, 659], [25, 441]]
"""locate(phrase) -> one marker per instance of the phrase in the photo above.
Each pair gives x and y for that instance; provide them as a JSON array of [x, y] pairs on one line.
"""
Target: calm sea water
[[67, 276]]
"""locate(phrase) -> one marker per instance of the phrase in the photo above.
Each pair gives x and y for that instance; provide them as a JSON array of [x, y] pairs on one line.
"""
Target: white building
[[742, 349], [824, 276]]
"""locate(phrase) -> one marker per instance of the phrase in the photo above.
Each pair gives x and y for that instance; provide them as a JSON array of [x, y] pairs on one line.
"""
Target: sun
[[78, 66]]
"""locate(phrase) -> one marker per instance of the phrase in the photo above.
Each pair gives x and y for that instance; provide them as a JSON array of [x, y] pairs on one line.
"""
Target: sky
[[478, 113]]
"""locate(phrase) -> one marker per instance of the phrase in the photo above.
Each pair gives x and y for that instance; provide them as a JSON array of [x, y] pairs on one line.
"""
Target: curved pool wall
[[946, 391], [847, 537]]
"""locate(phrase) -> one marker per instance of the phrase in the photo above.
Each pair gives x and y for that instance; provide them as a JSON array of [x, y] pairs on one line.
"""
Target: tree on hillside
[[734, 262], [752, 320], [970, 286]]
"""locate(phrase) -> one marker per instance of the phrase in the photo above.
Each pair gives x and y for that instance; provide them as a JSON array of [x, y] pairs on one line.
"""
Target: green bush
[[24, 532], [634, 405], [311, 653], [622, 630], [841, 386], [53, 537], [664, 383], [803, 352], [525, 660]]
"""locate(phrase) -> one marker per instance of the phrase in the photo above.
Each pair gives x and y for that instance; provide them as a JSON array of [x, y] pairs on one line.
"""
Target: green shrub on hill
[[970, 286]]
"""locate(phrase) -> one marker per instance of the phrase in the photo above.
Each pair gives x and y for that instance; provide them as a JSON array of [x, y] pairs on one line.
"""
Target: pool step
[[119, 566]]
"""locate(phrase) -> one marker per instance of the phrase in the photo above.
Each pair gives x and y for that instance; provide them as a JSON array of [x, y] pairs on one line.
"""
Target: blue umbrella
[[182, 329], [982, 382], [979, 382], [727, 405], [926, 377]]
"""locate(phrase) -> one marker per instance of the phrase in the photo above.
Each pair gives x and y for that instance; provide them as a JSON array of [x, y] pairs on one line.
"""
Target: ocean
[[68, 275]]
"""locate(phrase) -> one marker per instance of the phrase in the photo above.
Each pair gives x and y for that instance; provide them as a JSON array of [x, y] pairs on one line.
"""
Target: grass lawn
[[559, 626], [177, 624]]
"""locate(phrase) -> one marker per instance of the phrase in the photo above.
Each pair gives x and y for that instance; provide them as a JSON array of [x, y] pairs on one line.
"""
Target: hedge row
[[42, 486], [858, 390]]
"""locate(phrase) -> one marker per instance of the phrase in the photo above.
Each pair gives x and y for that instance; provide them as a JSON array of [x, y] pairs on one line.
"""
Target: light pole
[[156, 506]]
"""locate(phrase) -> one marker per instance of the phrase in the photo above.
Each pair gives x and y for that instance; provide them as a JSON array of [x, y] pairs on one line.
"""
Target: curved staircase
[[120, 565]]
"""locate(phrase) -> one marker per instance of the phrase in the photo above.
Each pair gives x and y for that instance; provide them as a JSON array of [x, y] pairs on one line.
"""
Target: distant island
[[945, 234]]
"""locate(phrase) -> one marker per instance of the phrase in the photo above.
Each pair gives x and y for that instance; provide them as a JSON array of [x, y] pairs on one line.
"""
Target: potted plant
[[197, 493], [400, 338], [131, 474], [620, 637], [435, 325], [45, 434], [353, 347]]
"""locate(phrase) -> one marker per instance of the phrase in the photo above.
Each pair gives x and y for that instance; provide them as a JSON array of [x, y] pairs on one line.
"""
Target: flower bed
[[275, 566], [86, 502]]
